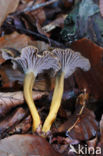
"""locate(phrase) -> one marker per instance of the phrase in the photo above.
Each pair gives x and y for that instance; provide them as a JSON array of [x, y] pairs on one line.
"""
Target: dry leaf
[[14, 40], [10, 77], [22, 127], [6, 7], [12, 99], [11, 120], [93, 79], [26, 145], [85, 128], [82, 124]]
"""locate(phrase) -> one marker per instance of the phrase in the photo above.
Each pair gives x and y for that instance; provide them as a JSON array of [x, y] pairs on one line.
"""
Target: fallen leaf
[[93, 79], [14, 40], [26, 145], [6, 7], [10, 77], [12, 99], [22, 127], [85, 128], [82, 124], [11, 120]]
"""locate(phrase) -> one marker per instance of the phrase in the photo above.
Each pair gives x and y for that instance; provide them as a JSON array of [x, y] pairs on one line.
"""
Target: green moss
[[84, 16]]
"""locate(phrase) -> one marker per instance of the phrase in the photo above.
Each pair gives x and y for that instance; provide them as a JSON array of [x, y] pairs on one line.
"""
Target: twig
[[80, 113], [81, 110], [34, 7], [37, 35]]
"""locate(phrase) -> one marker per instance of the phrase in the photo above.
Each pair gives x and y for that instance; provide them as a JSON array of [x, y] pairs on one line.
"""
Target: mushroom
[[32, 64], [69, 60]]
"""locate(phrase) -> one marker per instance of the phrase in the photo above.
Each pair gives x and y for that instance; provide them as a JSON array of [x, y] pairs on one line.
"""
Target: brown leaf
[[14, 40], [26, 145], [23, 126], [11, 120], [85, 128], [10, 77], [93, 79], [12, 99], [6, 7]]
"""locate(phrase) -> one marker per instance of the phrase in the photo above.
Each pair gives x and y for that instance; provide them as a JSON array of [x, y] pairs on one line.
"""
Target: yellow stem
[[56, 101], [28, 85]]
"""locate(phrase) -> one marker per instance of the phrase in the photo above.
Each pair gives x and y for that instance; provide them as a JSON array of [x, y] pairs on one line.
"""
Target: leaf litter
[[41, 24]]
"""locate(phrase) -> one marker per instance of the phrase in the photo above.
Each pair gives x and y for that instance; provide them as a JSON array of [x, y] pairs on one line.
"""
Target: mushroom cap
[[71, 60], [31, 61], [9, 53]]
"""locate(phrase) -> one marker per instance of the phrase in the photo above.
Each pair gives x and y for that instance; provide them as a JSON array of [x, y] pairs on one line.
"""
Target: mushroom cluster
[[32, 63], [63, 63]]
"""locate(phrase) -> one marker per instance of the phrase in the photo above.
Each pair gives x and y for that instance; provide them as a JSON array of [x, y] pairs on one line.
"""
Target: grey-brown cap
[[31, 61], [8, 53], [71, 60]]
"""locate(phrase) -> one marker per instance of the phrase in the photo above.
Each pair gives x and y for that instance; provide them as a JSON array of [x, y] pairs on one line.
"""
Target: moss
[[83, 21]]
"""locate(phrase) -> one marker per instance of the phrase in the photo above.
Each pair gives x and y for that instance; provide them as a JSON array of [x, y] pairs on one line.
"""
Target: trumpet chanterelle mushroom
[[32, 64], [69, 60]]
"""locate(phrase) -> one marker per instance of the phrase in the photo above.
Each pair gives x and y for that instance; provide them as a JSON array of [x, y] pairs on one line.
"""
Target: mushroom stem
[[28, 85], [56, 101]]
